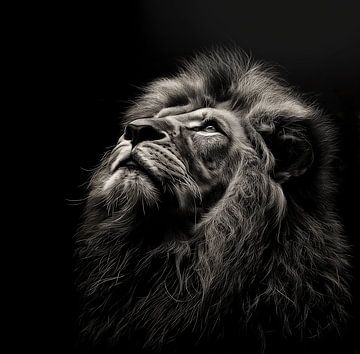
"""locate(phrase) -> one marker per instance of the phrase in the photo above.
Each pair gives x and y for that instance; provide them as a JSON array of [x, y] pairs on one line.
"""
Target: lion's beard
[[182, 283]]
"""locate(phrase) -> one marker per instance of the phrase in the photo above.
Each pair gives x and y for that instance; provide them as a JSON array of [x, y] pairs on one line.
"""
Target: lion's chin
[[130, 186]]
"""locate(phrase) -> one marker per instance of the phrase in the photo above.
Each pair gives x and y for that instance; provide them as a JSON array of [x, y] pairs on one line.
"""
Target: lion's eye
[[210, 128]]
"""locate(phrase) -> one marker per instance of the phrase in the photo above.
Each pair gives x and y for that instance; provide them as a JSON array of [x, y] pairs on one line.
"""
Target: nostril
[[150, 133], [138, 133]]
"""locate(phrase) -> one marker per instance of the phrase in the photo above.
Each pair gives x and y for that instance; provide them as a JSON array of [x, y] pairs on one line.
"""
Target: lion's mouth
[[133, 165]]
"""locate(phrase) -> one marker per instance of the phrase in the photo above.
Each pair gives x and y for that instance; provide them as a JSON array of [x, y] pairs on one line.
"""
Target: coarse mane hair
[[266, 258]]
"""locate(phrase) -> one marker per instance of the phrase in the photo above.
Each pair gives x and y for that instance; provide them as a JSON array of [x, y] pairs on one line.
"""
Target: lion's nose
[[141, 130]]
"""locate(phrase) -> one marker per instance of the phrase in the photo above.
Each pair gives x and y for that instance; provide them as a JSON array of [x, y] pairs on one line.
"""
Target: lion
[[212, 224]]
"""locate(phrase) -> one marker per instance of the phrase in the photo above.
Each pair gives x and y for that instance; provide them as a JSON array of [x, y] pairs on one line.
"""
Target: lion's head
[[213, 216]]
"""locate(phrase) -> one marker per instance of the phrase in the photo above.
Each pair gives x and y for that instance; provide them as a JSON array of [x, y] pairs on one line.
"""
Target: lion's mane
[[269, 258]]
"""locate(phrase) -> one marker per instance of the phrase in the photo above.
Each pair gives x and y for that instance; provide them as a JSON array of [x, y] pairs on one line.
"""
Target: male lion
[[211, 225]]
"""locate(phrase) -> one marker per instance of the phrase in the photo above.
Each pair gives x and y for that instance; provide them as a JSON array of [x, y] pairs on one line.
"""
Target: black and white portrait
[[213, 155]]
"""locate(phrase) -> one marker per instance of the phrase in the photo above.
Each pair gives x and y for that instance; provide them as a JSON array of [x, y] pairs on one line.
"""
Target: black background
[[102, 55]]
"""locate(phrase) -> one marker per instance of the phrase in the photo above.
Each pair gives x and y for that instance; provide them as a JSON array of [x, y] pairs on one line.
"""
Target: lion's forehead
[[248, 89]]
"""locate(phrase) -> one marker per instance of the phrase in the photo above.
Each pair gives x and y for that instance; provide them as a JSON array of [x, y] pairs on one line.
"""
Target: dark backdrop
[[105, 54]]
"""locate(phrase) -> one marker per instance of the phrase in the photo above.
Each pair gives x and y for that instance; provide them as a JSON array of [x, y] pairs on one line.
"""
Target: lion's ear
[[289, 140]]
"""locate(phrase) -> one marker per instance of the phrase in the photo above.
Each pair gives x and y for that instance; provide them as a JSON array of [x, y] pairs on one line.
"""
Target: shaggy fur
[[252, 252]]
